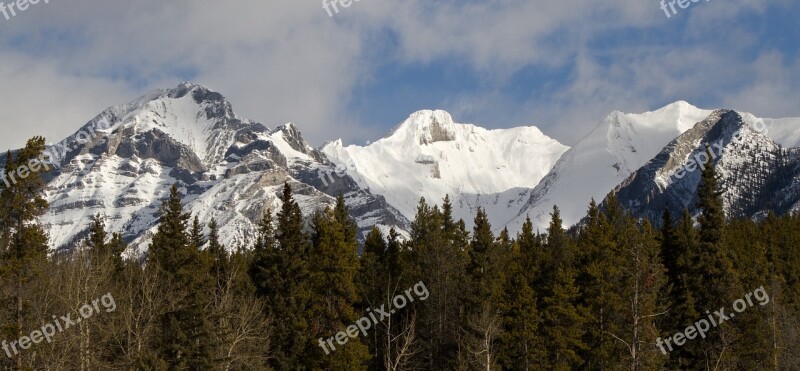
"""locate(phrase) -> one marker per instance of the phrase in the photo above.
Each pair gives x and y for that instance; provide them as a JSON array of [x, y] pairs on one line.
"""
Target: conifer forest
[[697, 292]]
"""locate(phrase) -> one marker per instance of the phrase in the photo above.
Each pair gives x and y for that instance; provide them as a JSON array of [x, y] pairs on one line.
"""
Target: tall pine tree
[[186, 335]]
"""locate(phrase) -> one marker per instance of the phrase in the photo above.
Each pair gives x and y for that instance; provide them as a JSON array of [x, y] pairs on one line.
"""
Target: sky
[[560, 65]]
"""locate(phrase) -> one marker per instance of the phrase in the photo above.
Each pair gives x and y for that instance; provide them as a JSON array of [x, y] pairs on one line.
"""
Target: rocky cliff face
[[122, 163], [227, 167], [756, 173]]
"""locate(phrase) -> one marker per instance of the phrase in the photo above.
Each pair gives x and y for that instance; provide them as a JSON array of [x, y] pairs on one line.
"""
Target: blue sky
[[559, 65]]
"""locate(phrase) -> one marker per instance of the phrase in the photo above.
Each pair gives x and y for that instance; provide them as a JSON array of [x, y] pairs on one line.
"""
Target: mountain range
[[233, 169]]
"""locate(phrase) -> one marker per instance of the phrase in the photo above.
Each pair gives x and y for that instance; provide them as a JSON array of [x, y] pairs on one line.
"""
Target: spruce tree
[[96, 242], [562, 317], [217, 250], [196, 234], [23, 242], [349, 226], [185, 339], [484, 322], [600, 277], [281, 276], [482, 253], [521, 347], [713, 279], [372, 280], [334, 265]]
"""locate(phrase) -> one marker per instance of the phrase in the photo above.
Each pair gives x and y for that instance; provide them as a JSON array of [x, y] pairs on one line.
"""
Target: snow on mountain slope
[[233, 169], [755, 173], [430, 156], [226, 167], [617, 147]]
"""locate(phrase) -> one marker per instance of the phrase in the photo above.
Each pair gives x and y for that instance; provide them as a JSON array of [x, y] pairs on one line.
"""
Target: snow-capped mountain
[[430, 156], [617, 147], [228, 168], [233, 169], [756, 170]]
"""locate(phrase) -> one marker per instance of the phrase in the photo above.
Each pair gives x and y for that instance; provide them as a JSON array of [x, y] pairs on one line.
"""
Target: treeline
[[600, 297]]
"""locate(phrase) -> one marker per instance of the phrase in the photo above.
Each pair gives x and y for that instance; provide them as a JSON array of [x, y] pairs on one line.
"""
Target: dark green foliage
[[562, 317], [712, 277], [521, 344], [23, 243], [281, 274], [217, 251], [185, 339], [598, 299], [333, 287]]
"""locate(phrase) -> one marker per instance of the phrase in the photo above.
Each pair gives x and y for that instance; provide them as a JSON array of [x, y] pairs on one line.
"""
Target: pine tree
[[713, 278], [280, 273], [484, 322], [96, 242], [23, 242], [196, 234], [520, 347], [600, 279], [217, 251], [482, 252], [186, 339], [116, 247], [562, 318], [372, 280], [349, 226], [334, 265]]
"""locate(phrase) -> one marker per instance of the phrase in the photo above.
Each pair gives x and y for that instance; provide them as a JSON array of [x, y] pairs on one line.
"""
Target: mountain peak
[[426, 127]]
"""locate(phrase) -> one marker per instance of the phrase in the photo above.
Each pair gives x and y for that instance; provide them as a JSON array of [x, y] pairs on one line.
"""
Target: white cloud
[[288, 61]]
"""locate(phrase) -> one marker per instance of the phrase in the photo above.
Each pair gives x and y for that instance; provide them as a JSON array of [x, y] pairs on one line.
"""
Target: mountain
[[228, 168], [757, 162], [430, 156], [122, 163], [618, 146]]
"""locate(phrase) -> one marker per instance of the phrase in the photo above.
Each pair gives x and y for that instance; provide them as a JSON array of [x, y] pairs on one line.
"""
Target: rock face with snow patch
[[430, 156], [233, 169], [756, 174], [617, 147], [227, 167]]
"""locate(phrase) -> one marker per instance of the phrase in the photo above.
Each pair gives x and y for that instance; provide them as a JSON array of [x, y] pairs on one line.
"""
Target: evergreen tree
[[23, 242], [334, 264], [600, 279], [372, 281], [281, 276], [484, 321], [196, 234], [186, 339], [482, 252], [520, 345], [713, 278], [96, 242], [562, 318], [116, 247], [217, 250], [349, 226]]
